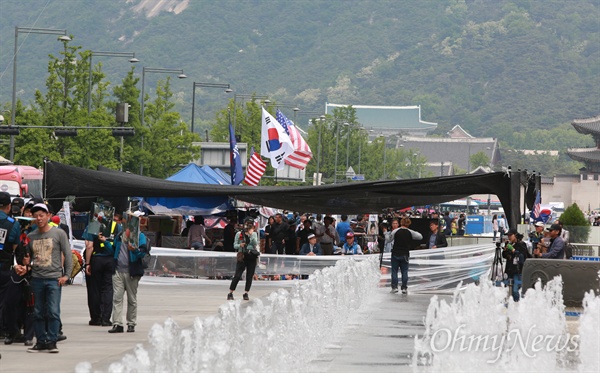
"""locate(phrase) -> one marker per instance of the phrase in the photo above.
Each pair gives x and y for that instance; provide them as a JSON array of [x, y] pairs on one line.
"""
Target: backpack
[[77, 263], [147, 257]]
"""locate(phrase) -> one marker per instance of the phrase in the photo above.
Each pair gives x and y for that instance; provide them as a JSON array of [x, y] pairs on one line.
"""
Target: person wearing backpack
[[129, 269]]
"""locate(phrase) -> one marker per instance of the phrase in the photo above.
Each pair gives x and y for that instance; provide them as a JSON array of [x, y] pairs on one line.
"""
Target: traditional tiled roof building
[[589, 156], [390, 120]]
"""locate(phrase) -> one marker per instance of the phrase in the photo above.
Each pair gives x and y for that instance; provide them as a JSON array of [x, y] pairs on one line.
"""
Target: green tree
[[65, 104], [167, 140], [479, 159], [575, 222]]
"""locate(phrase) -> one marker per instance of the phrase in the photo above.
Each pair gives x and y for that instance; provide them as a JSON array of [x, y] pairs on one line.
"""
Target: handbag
[[254, 253], [240, 256]]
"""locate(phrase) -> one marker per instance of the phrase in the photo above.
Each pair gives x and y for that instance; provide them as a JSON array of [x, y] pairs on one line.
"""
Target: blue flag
[[237, 174]]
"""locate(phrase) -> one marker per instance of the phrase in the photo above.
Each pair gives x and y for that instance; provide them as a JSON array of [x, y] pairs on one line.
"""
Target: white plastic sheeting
[[429, 271]]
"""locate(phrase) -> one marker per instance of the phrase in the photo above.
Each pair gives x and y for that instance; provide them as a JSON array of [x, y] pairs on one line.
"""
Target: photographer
[[246, 242], [515, 252]]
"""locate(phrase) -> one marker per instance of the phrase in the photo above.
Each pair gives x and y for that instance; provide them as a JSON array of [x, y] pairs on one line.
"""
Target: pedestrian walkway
[[379, 338], [158, 298]]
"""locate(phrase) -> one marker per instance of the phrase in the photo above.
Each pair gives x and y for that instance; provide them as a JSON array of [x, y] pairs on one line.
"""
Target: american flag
[[302, 153], [537, 208], [256, 168]]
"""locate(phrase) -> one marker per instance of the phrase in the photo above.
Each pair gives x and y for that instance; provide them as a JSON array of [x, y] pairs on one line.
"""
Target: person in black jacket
[[436, 238], [405, 239], [515, 252], [279, 234]]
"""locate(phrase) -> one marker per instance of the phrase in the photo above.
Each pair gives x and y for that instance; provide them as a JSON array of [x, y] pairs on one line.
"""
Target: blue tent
[[192, 205]]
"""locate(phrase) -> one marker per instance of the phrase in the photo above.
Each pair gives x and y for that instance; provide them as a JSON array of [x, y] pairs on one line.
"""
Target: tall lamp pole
[[337, 140], [226, 87], [129, 55], [29, 30], [244, 96], [158, 70]]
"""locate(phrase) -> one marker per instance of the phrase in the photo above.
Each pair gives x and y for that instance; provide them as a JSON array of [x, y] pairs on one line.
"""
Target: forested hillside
[[494, 67]]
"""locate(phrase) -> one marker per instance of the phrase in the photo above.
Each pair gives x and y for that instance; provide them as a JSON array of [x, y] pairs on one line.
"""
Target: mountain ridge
[[489, 66]]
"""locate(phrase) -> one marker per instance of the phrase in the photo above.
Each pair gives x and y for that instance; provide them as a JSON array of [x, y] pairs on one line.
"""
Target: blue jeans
[[517, 281], [399, 262], [46, 293]]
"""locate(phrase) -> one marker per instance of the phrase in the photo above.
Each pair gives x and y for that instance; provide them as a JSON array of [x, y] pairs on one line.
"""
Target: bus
[[21, 181], [460, 205]]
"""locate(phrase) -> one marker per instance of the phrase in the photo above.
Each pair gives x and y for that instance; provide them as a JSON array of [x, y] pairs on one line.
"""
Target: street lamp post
[[158, 70], [348, 147], [384, 155], [129, 55], [226, 87], [360, 147], [29, 30], [265, 99], [337, 140]]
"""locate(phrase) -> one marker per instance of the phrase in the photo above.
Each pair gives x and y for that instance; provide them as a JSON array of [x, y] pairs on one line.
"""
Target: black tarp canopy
[[62, 180]]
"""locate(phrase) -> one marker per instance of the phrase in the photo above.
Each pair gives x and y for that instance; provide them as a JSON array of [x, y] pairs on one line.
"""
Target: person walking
[[51, 264], [245, 241], [128, 272], [404, 241]]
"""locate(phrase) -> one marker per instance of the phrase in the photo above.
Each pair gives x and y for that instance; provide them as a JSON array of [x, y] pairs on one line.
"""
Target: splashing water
[[481, 331], [283, 332]]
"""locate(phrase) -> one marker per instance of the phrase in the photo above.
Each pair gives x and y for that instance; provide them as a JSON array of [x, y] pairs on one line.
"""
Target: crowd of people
[[36, 261]]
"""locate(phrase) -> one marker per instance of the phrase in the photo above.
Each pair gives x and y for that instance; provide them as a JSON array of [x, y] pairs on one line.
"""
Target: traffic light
[[65, 132], [123, 131], [9, 130]]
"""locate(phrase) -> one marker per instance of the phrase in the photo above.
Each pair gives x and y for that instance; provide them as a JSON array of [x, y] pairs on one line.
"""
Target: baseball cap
[[138, 213], [39, 207], [4, 199], [17, 204], [349, 234], [311, 236], [539, 224], [554, 227]]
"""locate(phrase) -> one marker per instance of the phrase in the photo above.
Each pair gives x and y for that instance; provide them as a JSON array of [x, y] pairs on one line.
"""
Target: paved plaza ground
[[379, 341]]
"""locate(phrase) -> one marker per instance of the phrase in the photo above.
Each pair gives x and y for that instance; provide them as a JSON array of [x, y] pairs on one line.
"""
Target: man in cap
[[51, 266], [350, 247], [515, 252], [536, 236], [99, 270], [557, 245], [17, 206], [9, 239], [311, 248]]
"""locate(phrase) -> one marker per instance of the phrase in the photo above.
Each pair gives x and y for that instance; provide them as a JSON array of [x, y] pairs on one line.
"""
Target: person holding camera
[[515, 252], [246, 245]]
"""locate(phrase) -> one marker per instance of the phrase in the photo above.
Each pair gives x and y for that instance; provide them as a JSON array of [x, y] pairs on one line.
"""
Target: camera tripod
[[497, 273]]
